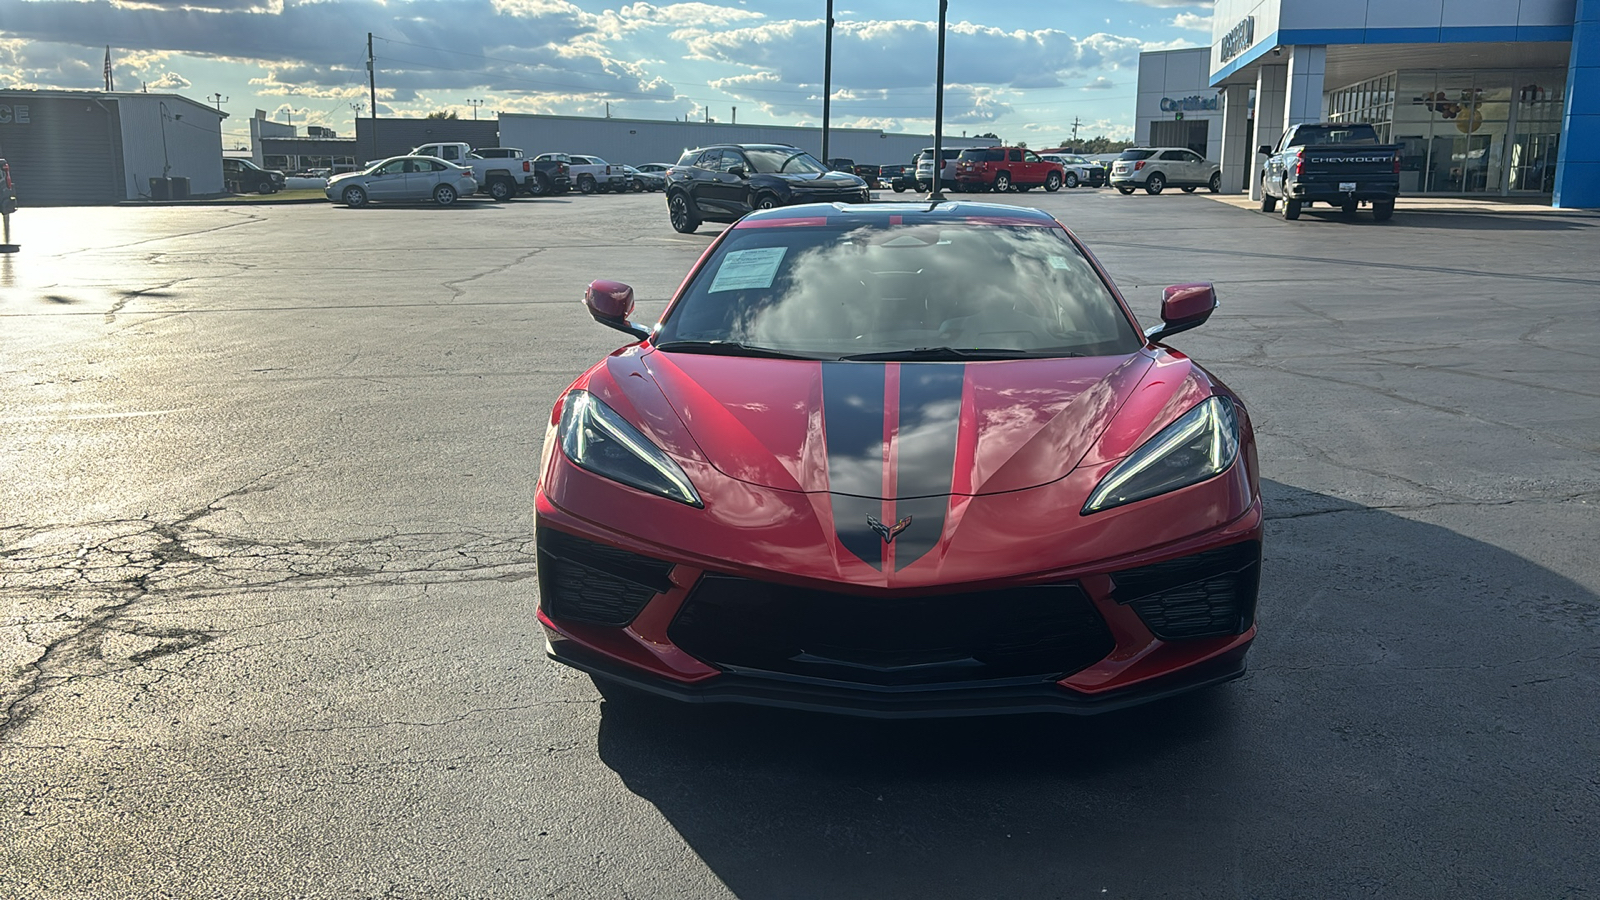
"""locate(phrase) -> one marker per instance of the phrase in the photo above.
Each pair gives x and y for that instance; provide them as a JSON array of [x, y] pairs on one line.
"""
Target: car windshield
[[783, 161], [1137, 154], [966, 290]]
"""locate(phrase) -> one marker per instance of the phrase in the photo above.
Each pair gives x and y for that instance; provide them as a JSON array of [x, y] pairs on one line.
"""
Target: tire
[[501, 189], [1052, 182], [1269, 203], [1190, 188], [1124, 189], [638, 187], [900, 188], [1382, 210], [1070, 182], [765, 201], [681, 213], [266, 187], [1155, 184], [1215, 185], [1348, 207], [1002, 182], [539, 187], [1291, 209], [444, 195], [587, 185], [354, 197]]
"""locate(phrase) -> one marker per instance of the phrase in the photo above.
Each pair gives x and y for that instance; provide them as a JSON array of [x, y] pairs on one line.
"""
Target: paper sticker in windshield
[[1059, 262], [744, 270]]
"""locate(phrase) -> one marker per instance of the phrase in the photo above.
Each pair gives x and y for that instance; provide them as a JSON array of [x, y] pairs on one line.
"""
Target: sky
[[1008, 71]]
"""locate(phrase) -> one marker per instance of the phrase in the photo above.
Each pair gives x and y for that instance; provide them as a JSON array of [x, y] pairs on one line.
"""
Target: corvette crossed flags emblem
[[888, 532]]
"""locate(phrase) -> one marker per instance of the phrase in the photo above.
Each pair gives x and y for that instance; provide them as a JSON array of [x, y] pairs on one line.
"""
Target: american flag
[[108, 69]]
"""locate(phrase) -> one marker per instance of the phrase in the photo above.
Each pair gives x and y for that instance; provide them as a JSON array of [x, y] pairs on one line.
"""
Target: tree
[[989, 135], [441, 114]]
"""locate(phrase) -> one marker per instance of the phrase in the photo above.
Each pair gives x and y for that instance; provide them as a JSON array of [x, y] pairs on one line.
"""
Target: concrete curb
[[1456, 205]]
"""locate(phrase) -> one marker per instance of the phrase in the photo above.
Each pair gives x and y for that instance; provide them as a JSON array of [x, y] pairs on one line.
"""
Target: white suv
[[1157, 168], [947, 172]]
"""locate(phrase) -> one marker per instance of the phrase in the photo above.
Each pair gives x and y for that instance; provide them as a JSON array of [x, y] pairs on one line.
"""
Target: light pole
[[218, 99], [474, 104], [827, 77], [937, 195]]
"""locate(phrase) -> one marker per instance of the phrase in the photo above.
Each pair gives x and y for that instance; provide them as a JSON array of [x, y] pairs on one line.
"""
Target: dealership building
[[1486, 98]]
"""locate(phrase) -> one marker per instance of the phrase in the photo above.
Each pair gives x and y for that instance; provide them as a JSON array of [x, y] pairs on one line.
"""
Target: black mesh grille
[[1036, 632], [582, 581], [1204, 595]]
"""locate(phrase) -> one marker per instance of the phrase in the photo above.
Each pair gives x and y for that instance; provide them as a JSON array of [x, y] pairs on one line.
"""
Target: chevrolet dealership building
[[1496, 98]]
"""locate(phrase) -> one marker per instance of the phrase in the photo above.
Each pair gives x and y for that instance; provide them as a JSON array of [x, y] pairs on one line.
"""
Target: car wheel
[[683, 218], [1070, 182], [900, 189], [444, 195], [1382, 210], [501, 189], [1124, 189], [1291, 209], [1190, 189], [638, 187], [264, 187], [1155, 184], [1268, 203], [766, 201], [1215, 185], [1002, 183], [1052, 182], [587, 185], [540, 186], [354, 197]]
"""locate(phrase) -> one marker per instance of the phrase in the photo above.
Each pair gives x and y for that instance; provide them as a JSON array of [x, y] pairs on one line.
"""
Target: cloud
[[169, 81], [1171, 4], [1101, 83], [1192, 22]]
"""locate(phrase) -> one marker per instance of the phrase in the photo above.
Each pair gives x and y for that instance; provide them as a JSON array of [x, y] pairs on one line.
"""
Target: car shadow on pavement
[[1418, 714]]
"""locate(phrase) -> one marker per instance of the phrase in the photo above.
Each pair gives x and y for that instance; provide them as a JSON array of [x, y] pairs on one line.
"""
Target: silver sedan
[[404, 178]]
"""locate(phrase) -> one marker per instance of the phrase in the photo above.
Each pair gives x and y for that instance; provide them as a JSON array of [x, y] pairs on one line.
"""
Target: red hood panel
[[877, 430]]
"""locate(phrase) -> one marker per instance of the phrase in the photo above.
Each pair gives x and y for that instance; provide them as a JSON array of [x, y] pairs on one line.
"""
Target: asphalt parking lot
[[266, 593]]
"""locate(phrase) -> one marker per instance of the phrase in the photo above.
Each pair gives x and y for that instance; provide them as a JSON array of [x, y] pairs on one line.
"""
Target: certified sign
[[1239, 39]]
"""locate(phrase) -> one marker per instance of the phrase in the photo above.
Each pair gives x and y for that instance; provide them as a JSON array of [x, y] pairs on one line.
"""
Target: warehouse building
[[636, 141], [102, 147], [1486, 98]]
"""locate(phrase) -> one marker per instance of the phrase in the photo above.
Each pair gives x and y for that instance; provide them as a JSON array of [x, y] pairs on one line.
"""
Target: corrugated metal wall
[[193, 142], [68, 151], [396, 136], [635, 141]]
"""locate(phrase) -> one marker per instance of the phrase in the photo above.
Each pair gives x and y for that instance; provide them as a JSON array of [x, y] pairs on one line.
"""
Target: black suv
[[241, 175], [722, 182]]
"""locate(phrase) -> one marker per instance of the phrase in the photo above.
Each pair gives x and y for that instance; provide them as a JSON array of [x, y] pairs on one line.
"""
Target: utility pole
[[477, 103], [937, 195], [218, 99], [372, 86], [1075, 124], [827, 76], [735, 115], [608, 109], [708, 114]]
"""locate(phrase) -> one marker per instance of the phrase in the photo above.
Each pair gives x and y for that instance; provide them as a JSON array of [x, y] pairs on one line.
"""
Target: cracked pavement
[[266, 592]]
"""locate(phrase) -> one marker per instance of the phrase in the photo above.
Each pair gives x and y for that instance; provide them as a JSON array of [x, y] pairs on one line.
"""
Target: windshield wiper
[[940, 353], [727, 348]]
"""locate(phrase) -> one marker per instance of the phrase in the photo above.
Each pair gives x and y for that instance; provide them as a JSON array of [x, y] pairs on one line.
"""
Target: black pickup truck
[[1338, 164]]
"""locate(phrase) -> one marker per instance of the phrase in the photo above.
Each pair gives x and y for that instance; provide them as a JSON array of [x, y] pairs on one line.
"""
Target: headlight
[[594, 437], [1199, 445]]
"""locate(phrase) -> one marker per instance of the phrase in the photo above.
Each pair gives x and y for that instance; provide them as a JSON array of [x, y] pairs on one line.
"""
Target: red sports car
[[900, 460]]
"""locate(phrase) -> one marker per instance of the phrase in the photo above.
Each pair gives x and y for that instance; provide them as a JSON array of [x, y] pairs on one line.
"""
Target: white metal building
[[635, 141], [98, 147]]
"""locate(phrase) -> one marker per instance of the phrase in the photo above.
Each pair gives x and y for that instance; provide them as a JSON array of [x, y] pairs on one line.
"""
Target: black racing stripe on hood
[[925, 453], [852, 423]]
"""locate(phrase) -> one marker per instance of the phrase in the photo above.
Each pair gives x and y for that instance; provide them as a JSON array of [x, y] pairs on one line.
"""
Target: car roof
[[910, 213]]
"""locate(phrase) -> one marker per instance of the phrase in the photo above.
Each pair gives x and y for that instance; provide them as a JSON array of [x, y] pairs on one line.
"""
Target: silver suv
[[947, 173], [1158, 168]]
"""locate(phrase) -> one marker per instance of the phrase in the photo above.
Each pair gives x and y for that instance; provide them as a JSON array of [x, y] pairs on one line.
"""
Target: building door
[[1192, 134]]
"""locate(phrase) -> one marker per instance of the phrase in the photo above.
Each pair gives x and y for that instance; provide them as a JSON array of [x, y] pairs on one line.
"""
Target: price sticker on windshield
[[744, 270]]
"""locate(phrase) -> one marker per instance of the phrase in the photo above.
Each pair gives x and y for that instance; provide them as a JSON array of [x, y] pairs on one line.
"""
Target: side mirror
[[610, 303], [737, 171], [1265, 148], [1183, 306]]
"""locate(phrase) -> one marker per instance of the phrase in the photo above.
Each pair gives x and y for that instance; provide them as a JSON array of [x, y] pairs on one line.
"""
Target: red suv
[[1003, 168]]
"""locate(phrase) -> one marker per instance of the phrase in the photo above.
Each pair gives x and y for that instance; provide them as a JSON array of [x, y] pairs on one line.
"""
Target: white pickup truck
[[500, 177], [591, 173]]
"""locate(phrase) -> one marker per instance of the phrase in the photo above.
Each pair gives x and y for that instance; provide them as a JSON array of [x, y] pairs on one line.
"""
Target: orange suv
[[1000, 169]]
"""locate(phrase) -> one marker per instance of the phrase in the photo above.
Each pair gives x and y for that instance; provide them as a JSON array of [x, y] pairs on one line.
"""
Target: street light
[[937, 195], [218, 99], [475, 104], [827, 77]]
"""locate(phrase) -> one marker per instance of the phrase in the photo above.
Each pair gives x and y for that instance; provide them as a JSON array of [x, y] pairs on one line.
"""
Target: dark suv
[[722, 182], [241, 175]]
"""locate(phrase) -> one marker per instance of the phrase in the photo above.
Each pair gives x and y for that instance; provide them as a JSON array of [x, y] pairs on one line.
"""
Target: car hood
[[897, 429], [831, 181]]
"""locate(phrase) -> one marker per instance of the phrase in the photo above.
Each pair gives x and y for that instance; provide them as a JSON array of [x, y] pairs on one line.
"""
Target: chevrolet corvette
[[900, 460]]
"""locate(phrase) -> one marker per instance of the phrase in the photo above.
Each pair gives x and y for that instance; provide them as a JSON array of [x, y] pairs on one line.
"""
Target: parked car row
[[444, 172]]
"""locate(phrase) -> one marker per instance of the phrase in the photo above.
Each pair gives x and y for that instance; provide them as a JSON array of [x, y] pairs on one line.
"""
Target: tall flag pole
[[109, 85]]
